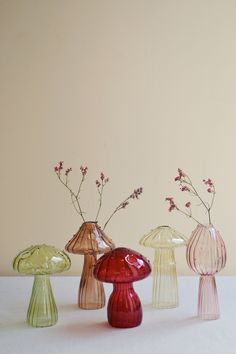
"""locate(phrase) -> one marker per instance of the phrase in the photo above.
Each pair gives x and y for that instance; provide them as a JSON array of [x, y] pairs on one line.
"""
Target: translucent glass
[[90, 241], [165, 287], [41, 261], [91, 291], [42, 310], [124, 308], [122, 267], [206, 255]]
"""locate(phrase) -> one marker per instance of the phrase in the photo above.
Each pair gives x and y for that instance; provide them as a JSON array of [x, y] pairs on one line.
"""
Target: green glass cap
[[163, 237], [41, 259]]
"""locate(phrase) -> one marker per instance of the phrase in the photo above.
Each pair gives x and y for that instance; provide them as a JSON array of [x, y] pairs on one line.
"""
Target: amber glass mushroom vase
[[41, 261], [164, 239], [122, 267], [90, 241]]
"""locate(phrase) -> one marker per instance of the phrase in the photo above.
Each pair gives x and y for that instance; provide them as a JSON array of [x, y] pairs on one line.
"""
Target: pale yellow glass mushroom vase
[[164, 239]]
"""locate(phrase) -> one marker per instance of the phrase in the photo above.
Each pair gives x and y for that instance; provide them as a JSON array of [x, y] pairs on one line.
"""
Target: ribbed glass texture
[[165, 287], [164, 240], [91, 291], [122, 267], [124, 308], [42, 310], [90, 241], [206, 255]]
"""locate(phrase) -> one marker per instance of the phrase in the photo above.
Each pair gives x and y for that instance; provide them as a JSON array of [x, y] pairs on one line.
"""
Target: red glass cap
[[122, 265]]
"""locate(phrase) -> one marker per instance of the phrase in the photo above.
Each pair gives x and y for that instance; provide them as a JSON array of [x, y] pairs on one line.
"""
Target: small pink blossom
[[187, 205], [84, 170], [98, 183], [59, 167], [208, 182], [136, 193], [180, 175], [172, 203], [184, 189], [102, 176], [169, 199], [68, 171], [209, 190]]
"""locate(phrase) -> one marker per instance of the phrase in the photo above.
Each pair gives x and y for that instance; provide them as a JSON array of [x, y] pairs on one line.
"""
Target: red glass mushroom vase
[[122, 267], [90, 241], [206, 255]]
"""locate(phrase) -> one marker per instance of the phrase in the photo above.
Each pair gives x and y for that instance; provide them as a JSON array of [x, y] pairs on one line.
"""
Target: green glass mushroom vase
[[41, 261], [164, 239]]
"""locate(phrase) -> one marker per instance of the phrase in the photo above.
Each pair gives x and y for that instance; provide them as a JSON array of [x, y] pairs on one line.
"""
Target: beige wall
[[134, 88]]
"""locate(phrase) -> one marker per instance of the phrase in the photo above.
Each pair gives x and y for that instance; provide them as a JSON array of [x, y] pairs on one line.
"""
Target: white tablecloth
[[87, 331]]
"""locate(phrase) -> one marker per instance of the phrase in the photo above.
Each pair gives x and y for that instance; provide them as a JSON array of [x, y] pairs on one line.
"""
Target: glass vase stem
[[165, 287], [91, 291], [42, 310], [208, 306], [124, 308]]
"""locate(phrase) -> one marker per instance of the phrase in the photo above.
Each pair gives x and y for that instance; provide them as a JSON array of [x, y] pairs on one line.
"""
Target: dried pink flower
[[208, 182], [180, 175], [100, 183], [59, 167], [136, 193], [172, 203], [186, 185], [184, 189], [84, 170], [68, 171]]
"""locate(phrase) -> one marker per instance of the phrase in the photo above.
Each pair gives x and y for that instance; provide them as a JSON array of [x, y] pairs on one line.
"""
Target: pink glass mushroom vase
[[122, 267], [90, 241], [206, 255]]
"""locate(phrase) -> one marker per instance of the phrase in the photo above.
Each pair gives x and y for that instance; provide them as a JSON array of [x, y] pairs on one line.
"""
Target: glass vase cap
[[122, 265], [90, 239], [41, 260], [163, 237]]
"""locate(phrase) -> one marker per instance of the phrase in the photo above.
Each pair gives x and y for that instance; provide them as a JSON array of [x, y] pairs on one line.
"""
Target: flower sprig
[[186, 185], [100, 184]]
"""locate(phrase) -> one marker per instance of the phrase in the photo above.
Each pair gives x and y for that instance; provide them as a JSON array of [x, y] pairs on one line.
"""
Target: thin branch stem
[[208, 208], [119, 207], [100, 192], [73, 195], [188, 215]]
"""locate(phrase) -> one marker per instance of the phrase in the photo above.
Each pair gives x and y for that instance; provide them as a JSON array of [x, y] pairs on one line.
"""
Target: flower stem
[[119, 207], [73, 195], [100, 201], [188, 215]]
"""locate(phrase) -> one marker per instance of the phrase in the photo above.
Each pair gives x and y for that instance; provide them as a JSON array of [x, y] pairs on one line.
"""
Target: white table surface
[[87, 331]]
